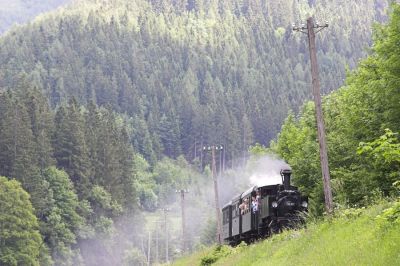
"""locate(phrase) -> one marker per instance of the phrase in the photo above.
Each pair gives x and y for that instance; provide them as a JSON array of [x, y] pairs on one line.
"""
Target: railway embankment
[[354, 236]]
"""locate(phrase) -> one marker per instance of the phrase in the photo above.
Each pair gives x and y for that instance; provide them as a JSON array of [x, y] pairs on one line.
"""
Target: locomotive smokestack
[[286, 174]]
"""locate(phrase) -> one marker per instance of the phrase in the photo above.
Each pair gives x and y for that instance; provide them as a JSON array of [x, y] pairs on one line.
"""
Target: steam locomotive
[[279, 206]]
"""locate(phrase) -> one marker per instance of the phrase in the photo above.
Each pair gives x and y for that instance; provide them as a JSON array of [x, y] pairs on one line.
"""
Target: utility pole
[[318, 106], [182, 192], [195, 148], [166, 234], [142, 240], [212, 149], [221, 163], [223, 160], [157, 236], [148, 249]]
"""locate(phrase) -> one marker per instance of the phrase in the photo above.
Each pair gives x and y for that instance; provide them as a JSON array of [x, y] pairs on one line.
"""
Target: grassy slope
[[346, 240]]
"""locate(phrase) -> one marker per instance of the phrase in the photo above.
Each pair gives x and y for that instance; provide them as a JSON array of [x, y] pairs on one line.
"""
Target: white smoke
[[266, 171]]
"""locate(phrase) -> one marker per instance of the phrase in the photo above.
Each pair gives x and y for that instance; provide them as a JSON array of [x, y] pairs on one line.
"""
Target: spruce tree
[[70, 148]]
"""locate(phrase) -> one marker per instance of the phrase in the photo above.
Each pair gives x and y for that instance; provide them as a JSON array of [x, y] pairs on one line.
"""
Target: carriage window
[[235, 210], [225, 216], [247, 205], [267, 192]]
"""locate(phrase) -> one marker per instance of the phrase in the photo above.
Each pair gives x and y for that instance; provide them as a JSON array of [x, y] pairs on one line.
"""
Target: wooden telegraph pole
[[184, 242], [148, 249], [166, 234], [212, 149], [318, 107], [157, 238]]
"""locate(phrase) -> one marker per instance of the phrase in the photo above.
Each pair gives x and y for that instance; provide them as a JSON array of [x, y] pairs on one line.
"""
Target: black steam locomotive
[[279, 206]]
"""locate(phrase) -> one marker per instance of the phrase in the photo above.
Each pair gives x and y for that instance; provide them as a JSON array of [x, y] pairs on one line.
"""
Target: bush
[[219, 252], [389, 216]]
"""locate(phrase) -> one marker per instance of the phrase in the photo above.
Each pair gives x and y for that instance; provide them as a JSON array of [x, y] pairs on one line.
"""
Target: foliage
[[208, 234], [95, 96], [363, 164], [85, 179], [104, 207], [389, 216], [258, 150], [182, 69], [350, 213], [71, 204], [218, 252], [383, 151], [60, 221], [20, 240], [134, 257]]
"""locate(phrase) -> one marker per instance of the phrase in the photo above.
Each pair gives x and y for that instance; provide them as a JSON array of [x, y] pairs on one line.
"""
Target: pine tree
[[41, 120], [17, 157], [70, 147]]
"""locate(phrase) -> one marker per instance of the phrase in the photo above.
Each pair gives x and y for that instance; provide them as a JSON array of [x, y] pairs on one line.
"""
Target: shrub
[[389, 216], [219, 252]]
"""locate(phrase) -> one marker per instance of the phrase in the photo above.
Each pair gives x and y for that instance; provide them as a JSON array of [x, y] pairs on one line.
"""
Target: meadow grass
[[193, 259], [350, 238]]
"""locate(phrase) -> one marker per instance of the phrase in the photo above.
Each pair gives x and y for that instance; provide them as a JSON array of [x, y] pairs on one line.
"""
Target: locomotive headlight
[[304, 204], [274, 204]]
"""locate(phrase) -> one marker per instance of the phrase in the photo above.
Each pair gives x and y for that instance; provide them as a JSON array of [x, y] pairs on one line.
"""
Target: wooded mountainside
[[96, 97], [189, 72], [94, 203]]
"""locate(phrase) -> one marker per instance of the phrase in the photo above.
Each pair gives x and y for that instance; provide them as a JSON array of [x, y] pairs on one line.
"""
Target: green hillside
[[183, 69], [105, 107], [353, 237]]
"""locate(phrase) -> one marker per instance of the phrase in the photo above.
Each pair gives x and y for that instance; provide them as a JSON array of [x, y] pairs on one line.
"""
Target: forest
[[105, 107], [184, 68], [83, 177]]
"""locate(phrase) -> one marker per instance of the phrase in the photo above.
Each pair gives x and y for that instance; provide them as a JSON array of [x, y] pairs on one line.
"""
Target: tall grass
[[352, 237]]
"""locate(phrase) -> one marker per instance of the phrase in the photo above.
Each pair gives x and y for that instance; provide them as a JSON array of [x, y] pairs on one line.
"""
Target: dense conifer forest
[[189, 72], [105, 107]]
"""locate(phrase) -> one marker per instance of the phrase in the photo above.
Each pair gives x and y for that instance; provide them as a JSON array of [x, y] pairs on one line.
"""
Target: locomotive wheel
[[273, 229]]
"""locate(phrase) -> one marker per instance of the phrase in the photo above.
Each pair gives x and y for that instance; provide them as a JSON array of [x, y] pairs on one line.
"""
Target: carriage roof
[[247, 192]]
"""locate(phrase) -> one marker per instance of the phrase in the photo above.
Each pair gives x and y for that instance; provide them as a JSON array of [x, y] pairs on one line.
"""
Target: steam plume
[[266, 171]]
